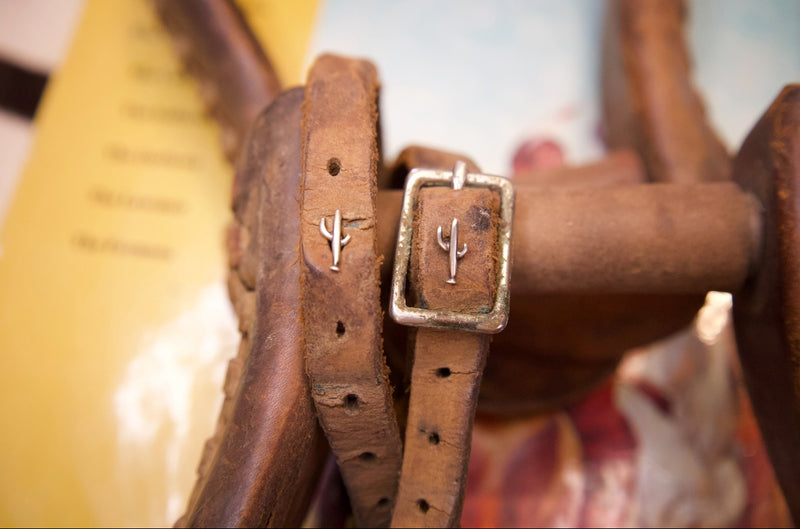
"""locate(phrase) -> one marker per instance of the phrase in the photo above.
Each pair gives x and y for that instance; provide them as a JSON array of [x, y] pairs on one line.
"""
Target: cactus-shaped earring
[[451, 245], [337, 242]]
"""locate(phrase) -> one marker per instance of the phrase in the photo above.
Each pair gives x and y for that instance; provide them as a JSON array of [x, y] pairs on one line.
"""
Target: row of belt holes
[[351, 404], [433, 438], [351, 400]]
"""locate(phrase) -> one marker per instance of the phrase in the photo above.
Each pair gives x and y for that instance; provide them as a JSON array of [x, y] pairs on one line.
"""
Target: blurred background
[[115, 325]]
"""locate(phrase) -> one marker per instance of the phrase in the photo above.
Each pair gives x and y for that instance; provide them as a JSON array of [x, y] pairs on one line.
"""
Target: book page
[[116, 325]]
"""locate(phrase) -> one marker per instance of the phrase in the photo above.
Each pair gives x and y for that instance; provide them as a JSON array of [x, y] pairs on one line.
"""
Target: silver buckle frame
[[491, 322]]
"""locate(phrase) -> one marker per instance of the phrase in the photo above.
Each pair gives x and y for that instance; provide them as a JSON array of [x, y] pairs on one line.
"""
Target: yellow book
[[115, 326]]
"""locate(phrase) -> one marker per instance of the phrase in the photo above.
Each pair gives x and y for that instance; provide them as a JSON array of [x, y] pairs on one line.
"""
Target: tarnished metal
[[491, 322]]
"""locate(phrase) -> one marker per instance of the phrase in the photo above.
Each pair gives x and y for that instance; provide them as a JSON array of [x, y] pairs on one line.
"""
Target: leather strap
[[448, 365], [341, 308], [395, 335], [766, 311], [649, 101], [261, 466], [217, 47], [415, 156]]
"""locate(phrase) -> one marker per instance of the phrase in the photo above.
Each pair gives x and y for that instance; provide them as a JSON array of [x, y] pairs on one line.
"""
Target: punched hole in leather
[[447, 364]]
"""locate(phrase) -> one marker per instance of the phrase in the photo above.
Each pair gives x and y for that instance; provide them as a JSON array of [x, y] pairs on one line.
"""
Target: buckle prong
[[459, 175]]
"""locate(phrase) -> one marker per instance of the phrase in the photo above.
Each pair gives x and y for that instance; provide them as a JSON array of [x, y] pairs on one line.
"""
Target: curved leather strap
[[415, 156], [340, 283], [217, 47], [766, 311], [395, 335], [649, 101], [448, 365], [261, 466]]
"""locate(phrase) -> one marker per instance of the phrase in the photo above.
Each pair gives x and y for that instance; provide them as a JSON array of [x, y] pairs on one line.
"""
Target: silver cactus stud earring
[[451, 245], [335, 238]]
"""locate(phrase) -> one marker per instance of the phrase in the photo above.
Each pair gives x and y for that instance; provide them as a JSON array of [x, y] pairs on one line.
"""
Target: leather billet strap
[[649, 100], [340, 283], [448, 363], [218, 48]]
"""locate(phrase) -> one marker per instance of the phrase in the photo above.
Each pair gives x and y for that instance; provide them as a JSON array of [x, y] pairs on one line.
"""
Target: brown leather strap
[[261, 467], [766, 311], [341, 309], [447, 369], [395, 336], [217, 47], [560, 364], [649, 102], [620, 167], [415, 156], [610, 234]]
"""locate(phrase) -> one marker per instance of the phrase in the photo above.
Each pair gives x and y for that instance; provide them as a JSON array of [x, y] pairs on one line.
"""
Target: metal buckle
[[491, 322]]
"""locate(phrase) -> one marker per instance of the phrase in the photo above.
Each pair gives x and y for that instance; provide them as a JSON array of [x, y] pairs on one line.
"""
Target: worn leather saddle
[[368, 293]]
